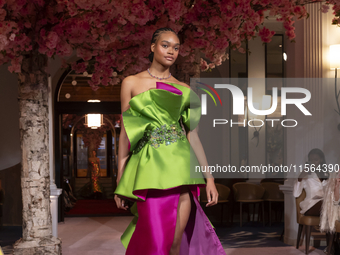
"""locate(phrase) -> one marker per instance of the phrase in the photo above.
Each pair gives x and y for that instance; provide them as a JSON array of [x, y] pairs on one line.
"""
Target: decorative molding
[[313, 41]]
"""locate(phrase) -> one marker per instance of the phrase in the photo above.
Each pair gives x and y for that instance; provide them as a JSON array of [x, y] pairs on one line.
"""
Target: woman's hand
[[304, 174], [120, 202], [212, 194]]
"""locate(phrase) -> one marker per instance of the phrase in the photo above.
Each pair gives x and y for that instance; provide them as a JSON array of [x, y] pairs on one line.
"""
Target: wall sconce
[[266, 104], [252, 116], [334, 59], [94, 121]]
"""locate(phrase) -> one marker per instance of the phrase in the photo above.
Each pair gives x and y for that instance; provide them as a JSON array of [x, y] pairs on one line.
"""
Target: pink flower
[[204, 65], [241, 50], [79, 67], [266, 34], [16, 65], [211, 65], [122, 21], [324, 8], [12, 37], [3, 42], [52, 40], [290, 34]]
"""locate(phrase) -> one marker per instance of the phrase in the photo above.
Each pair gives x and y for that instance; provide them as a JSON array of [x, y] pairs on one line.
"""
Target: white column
[[55, 192], [308, 134], [290, 232], [256, 75]]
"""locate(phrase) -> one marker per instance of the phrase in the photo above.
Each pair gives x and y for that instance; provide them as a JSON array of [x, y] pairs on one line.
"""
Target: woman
[[314, 182], [157, 173], [330, 211]]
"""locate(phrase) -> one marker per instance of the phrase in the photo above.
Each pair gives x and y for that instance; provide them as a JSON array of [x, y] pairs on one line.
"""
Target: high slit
[[155, 228]]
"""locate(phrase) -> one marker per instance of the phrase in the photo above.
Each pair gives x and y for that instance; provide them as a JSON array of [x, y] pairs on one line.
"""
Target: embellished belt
[[164, 134]]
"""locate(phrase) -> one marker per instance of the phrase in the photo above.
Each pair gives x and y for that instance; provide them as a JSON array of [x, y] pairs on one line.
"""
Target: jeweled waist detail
[[166, 134]]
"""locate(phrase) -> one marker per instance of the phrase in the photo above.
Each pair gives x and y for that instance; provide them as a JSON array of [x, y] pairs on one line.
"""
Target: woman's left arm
[[196, 145]]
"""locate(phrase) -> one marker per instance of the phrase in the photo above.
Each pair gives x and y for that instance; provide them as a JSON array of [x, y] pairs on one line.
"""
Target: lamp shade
[[94, 121], [334, 56]]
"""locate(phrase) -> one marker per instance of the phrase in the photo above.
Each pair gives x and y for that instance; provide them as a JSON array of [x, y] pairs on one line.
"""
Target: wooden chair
[[304, 221], [248, 193], [223, 194], [272, 194]]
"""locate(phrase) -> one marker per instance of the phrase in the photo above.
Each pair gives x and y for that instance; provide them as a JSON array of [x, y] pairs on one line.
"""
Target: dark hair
[[155, 36], [318, 152], [321, 174]]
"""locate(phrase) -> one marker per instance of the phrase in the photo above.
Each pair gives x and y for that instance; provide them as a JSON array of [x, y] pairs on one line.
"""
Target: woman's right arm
[[123, 148]]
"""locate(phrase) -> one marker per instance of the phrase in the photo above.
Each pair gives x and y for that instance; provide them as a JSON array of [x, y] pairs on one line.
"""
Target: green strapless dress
[[168, 165], [161, 156]]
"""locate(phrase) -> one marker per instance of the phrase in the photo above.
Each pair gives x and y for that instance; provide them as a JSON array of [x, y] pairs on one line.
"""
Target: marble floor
[[101, 236]]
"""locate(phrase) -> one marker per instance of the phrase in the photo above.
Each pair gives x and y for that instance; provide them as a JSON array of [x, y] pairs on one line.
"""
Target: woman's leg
[[183, 213]]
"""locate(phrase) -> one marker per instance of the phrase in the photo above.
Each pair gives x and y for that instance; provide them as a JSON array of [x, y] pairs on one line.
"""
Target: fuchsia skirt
[[155, 228]]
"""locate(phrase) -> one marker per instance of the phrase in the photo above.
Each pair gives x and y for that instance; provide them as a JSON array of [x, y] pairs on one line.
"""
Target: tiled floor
[[101, 236]]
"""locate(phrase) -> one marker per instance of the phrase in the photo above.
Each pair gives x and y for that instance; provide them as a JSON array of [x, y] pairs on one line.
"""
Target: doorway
[[76, 143]]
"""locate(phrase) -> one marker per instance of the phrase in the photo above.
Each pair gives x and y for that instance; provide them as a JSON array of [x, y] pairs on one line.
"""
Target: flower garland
[[115, 35]]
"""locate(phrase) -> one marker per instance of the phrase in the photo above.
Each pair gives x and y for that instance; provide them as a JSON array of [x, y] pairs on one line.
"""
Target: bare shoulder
[[183, 84], [129, 80]]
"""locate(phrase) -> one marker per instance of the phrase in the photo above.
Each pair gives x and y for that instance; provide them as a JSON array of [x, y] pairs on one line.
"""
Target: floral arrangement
[[115, 35]]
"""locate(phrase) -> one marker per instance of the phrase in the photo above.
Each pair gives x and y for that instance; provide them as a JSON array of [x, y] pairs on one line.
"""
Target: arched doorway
[[72, 102]]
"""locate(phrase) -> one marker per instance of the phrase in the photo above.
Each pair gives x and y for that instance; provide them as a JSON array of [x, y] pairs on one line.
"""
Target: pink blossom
[[12, 37], [52, 40], [290, 34], [122, 21], [15, 65], [79, 67], [116, 35], [204, 65], [241, 50], [266, 34], [3, 42], [324, 8]]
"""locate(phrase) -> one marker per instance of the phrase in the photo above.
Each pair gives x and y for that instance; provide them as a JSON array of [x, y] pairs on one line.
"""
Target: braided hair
[[156, 35]]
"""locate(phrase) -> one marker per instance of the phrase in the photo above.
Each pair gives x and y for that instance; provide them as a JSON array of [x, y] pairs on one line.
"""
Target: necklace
[[158, 77]]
